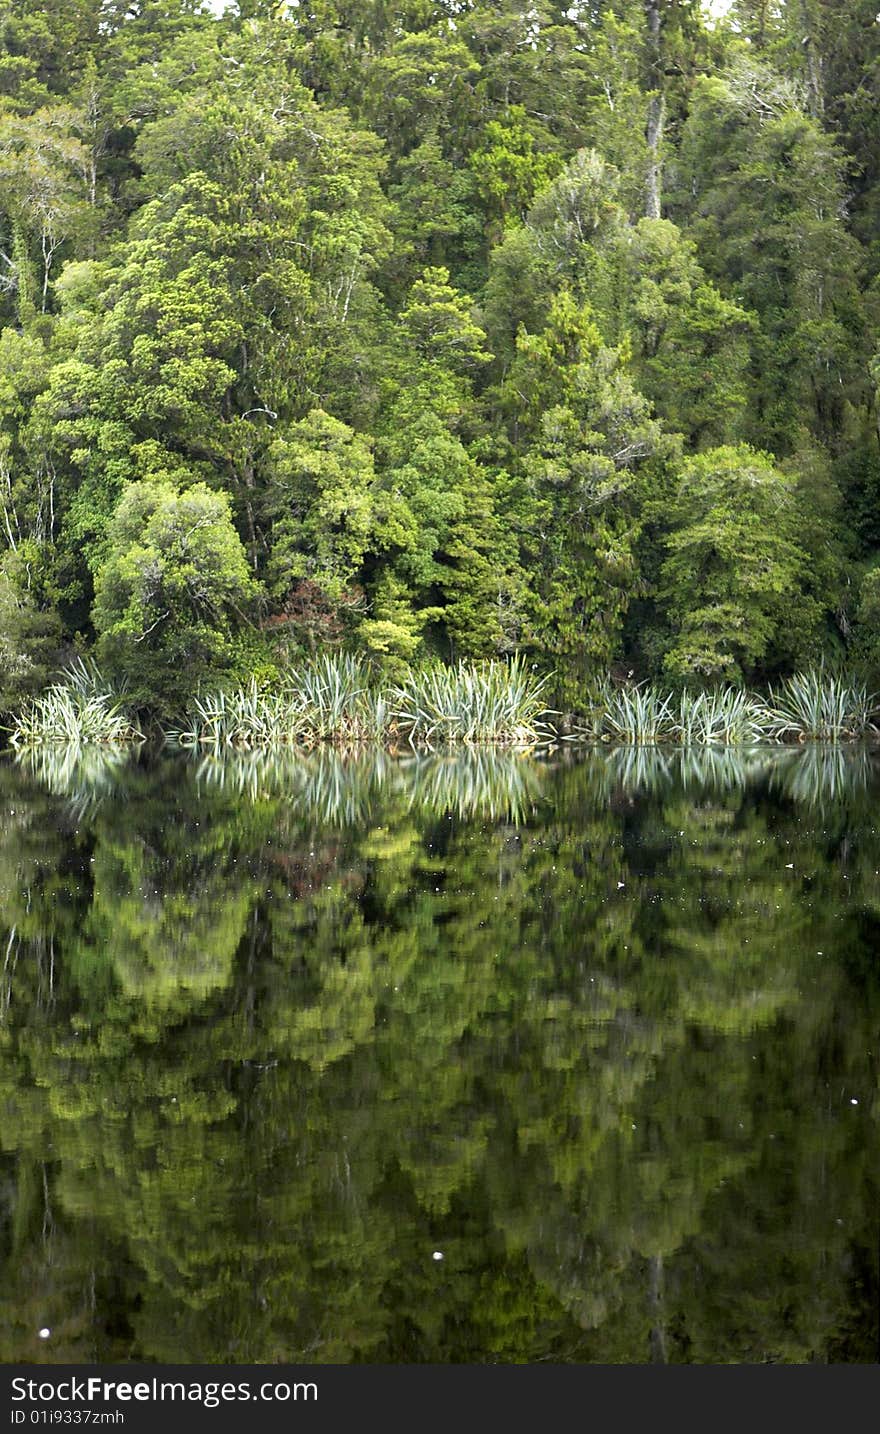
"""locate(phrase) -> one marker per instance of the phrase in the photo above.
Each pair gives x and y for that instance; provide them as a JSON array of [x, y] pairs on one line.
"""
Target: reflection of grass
[[811, 775], [323, 785], [334, 788], [85, 774], [649, 769], [342, 790], [482, 783], [815, 775]]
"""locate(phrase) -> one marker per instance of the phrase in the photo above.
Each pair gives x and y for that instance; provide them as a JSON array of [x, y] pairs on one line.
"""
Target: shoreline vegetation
[[81, 709], [337, 700], [323, 332]]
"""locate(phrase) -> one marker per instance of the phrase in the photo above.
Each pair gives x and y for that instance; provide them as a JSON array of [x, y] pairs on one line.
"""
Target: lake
[[470, 1059]]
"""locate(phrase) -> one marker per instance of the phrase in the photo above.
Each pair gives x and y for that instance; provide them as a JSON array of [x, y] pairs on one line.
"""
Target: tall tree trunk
[[815, 95], [654, 134], [656, 111]]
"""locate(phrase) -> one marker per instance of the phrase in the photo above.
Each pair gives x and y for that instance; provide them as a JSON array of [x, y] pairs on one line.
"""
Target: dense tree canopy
[[481, 323]]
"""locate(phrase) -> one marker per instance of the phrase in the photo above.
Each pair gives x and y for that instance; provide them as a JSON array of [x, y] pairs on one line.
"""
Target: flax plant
[[79, 710], [489, 702], [640, 714], [816, 706], [722, 715]]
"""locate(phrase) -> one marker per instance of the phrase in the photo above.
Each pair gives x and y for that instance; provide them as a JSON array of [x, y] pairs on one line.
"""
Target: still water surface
[[463, 1060]]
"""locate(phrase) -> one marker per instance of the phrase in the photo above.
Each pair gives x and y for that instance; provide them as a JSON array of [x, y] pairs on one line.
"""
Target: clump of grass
[[811, 706], [491, 702], [79, 710], [333, 700], [244, 720], [334, 694], [816, 706], [327, 700], [644, 715], [724, 716], [640, 714]]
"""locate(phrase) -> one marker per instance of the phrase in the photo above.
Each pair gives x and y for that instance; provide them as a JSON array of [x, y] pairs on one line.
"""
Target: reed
[[335, 695], [811, 706], [816, 706], [334, 700], [81, 709], [640, 715], [329, 700], [244, 719], [489, 702], [724, 716]]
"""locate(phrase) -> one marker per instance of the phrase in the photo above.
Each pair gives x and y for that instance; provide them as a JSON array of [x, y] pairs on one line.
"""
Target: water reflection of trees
[[603, 1058]]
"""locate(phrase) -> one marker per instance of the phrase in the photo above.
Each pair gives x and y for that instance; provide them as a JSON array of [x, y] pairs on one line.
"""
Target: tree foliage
[[732, 580], [329, 262], [171, 592]]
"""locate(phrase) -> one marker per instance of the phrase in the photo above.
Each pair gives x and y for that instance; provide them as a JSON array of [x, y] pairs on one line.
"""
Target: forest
[[438, 331]]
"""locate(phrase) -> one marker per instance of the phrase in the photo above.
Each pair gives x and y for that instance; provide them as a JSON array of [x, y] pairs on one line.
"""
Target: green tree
[[733, 578], [441, 349], [437, 224], [690, 345], [423, 83], [764, 191], [320, 504], [510, 169], [172, 592], [588, 439], [29, 635], [447, 562], [44, 192]]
